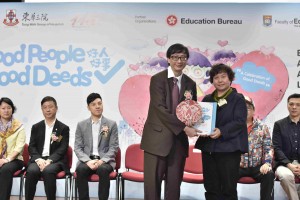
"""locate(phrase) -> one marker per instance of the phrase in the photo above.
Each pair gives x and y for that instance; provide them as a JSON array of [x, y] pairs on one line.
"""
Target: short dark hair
[[219, 68], [9, 102], [295, 95], [92, 97], [48, 98], [177, 48]]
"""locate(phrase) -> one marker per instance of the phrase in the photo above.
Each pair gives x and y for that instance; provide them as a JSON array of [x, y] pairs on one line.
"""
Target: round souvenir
[[189, 110]]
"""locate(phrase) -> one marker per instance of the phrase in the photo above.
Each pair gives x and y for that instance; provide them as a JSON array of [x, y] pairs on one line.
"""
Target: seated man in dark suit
[[48, 146], [96, 146], [286, 141]]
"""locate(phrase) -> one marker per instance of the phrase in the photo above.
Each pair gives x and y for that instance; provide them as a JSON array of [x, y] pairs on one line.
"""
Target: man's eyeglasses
[[176, 58]]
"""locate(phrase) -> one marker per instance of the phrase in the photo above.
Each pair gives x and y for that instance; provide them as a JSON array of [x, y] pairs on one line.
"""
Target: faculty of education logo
[[171, 20], [267, 20], [11, 18]]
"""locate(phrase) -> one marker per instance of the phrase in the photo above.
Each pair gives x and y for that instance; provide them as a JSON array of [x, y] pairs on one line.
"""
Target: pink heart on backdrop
[[265, 101], [134, 67], [134, 101], [161, 54], [161, 41], [222, 43], [267, 50]]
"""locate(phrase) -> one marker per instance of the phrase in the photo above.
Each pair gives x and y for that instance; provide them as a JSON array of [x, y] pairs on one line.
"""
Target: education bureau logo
[[33, 64], [11, 18], [171, 20], [267, 20]]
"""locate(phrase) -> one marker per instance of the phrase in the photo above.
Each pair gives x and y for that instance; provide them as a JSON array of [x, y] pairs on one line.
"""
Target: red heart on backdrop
[[134, 101], [265, 98]]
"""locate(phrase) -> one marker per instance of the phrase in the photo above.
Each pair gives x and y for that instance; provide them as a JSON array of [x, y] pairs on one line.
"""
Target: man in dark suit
[[96, 146], [48, 146], [164, 141], [286, 142]]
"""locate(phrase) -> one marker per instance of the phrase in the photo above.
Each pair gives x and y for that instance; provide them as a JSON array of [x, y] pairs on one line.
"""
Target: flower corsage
[[188, 95], [56, 137], [222, 102], [104, 130]]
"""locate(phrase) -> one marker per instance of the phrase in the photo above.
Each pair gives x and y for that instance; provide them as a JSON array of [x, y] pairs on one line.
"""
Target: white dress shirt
[[48, 133], [96, 134]]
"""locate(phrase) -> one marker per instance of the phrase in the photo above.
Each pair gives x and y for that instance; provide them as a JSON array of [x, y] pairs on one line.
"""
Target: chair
[[134, 160], [247, 180], [193, 170], [19, 173], [114, 175], [61, 174]]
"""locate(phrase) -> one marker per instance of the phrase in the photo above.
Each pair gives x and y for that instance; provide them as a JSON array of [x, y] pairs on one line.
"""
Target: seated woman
[[12, 141]]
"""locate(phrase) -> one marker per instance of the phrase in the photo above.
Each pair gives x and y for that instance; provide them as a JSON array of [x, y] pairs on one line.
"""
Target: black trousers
[[169, 168], [33, 175], [83, 172], [221, 173], [6, 177], [266, 181]]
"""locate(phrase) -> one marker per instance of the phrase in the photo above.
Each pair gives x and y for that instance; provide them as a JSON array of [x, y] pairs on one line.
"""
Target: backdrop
[[68, 50]]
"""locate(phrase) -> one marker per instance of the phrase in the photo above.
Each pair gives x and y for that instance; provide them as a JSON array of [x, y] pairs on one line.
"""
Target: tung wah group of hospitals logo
[[11, 18]]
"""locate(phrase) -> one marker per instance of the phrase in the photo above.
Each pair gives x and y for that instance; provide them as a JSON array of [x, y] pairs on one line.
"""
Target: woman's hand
[[215, 134], [3, 161]]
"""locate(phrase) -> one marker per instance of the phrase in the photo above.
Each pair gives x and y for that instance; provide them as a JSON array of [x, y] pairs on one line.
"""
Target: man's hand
[[265, 168], [93, 164], [191, 132], [100, 162], [41, 163], [47, 162], [294, 168]]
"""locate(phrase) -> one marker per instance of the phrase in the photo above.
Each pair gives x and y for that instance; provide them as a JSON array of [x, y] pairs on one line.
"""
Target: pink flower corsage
[[104, 130], [188, 95]]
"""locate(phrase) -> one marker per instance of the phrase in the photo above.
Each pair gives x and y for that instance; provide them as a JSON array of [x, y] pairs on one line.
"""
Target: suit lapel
[[169, 86], [103, 122], [183, 88], [55, 130], [43, 131], [289, 133], [89, 133]]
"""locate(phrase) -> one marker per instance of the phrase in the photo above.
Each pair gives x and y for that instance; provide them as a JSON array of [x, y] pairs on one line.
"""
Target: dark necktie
[[175, 95]]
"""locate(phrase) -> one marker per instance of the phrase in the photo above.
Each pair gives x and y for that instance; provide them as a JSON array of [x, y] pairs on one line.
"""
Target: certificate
[[207, 123]]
